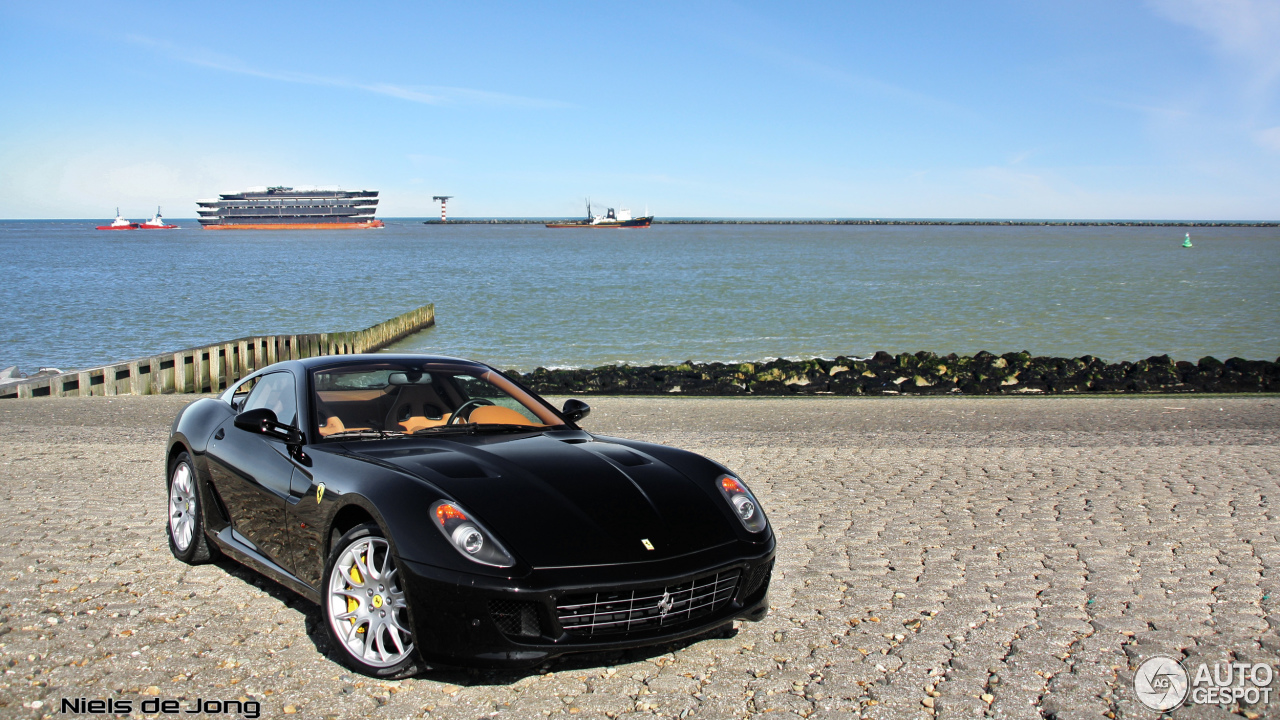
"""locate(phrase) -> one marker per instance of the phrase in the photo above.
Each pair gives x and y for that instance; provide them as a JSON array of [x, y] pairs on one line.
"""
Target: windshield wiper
[[507, 427], [473, 428], [467, 428], [362, 433]]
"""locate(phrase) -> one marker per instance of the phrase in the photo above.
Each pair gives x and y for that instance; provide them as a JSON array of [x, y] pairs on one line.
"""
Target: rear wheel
[[365, 607], [187, 541]]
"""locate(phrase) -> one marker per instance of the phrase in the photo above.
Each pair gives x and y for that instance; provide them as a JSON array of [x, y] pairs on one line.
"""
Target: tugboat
[[119, 223], [156, 223], [611, 219]]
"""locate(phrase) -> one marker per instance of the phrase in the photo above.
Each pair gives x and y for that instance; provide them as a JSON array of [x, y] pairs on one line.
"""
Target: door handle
[[220, 434]]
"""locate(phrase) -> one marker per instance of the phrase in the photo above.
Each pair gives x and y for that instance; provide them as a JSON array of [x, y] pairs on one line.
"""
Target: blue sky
[[1164, 109]]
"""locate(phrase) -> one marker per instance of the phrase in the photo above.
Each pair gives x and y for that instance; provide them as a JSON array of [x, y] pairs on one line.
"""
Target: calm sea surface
[[522, 296]]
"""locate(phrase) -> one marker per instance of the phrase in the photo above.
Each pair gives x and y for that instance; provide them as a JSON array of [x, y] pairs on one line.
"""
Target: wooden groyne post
[[215, 367]]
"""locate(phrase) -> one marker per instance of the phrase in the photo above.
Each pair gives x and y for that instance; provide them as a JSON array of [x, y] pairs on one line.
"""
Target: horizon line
[[466, 219]]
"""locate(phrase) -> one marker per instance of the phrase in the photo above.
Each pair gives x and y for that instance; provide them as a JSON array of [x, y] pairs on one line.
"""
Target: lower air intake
[[756, 576], [646, 609], [515, 617]]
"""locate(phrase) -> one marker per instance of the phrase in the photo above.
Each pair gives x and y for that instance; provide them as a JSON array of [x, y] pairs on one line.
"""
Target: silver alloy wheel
[[182, 507], [367, 608]]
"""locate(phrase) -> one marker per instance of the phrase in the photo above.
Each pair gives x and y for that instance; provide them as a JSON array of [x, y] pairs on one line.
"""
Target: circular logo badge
[[1161, 683]]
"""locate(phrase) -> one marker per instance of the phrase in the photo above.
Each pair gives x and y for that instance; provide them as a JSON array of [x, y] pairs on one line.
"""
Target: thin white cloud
[[1269, 138], [1247, 30], [849, 80], [1153, 110], [423, 94]]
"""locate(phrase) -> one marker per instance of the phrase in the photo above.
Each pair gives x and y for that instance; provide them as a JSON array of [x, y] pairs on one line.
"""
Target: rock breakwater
[[923, 373]]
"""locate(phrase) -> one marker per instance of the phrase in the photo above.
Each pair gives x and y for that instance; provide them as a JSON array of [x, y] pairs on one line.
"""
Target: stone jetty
[[878, 221], [923, 373]]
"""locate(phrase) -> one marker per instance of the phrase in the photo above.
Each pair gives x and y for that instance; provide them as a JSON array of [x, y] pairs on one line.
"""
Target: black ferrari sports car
[[440, 512]]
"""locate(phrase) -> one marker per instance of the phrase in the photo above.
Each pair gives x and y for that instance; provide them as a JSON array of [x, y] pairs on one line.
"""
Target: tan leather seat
[[331, 426], [499, 415], [413, 401]]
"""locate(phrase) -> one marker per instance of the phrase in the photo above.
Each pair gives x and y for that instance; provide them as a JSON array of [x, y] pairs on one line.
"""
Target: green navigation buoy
[[1187, 242]]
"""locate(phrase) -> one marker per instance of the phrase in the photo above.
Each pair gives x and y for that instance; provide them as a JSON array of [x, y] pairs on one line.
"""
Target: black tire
[[185, 515], [372, 611]]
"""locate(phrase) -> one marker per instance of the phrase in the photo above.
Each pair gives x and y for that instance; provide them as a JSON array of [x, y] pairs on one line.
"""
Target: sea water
[[522, 296]]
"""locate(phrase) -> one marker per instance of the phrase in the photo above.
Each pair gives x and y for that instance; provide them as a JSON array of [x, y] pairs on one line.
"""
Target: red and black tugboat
[[119, 223], [611, 219]]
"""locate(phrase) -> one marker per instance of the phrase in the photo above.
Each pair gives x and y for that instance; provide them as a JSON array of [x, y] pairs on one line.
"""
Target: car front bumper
[[476, 620]]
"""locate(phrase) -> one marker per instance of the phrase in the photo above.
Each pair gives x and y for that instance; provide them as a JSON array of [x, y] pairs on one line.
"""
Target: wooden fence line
[[215, 367]]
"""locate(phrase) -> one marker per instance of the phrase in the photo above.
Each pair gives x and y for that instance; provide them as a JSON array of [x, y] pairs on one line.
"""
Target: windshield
[[381, 399]]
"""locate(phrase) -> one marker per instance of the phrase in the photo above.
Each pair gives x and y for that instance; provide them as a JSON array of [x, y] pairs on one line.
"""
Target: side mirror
[[263, 421], [258, 420], [574, 410]]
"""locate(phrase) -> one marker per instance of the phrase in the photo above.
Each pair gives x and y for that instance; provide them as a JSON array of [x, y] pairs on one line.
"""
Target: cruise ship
[[286, 208]]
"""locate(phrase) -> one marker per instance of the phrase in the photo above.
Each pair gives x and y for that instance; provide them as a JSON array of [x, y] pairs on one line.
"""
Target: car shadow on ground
[[313, 621], [576, 662]]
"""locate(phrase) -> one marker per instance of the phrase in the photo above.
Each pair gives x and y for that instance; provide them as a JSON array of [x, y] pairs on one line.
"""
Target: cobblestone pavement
[[949, 557]]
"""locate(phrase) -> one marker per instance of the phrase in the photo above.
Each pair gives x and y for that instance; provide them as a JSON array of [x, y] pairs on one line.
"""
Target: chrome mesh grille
[[645, 609]]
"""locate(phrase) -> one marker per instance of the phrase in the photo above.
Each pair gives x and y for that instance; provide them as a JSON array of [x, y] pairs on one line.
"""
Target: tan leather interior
[[498, 415], [417, 422], [334, 425], [331, 426], [412, 401]]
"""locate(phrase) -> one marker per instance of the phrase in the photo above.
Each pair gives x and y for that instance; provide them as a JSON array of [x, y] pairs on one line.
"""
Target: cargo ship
[[611, 219], [284, 208]]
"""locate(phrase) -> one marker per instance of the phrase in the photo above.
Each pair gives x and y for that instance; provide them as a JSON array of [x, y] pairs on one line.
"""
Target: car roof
[[324, 361]]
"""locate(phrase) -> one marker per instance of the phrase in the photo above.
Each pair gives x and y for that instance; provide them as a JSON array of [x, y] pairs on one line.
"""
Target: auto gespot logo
[[1162, 683]]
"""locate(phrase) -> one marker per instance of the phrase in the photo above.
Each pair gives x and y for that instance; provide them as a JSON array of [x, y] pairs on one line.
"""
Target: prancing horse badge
[[319, 492], [647, 545]]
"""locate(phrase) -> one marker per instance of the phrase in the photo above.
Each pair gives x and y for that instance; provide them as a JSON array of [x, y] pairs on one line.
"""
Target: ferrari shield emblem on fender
[[647, 545], [319, 492]]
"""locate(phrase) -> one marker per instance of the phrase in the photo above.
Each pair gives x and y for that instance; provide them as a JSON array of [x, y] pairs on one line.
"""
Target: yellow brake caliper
[[352, 604]]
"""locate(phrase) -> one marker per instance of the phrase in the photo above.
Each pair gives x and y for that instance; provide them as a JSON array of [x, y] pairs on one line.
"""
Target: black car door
[[252, 470]]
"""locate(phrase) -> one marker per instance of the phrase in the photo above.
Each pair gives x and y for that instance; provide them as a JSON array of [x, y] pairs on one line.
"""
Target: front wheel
[[187, 541], [365, 607]]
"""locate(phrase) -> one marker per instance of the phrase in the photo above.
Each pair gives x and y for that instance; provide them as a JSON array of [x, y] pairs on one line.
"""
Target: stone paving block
[[1031, 551]]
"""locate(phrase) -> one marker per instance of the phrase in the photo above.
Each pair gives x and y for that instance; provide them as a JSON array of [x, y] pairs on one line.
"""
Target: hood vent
[[569, 436], [620, 455]]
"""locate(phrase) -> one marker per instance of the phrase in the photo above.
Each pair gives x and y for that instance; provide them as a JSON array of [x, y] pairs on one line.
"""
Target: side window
[[242, 392], [276, 392]]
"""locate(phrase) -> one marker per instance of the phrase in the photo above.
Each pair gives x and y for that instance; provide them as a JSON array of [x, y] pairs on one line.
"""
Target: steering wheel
[[467, 406]]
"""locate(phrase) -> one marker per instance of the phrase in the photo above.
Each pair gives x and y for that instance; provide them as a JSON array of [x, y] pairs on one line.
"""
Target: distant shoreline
[[1016, 223], [786, 221]]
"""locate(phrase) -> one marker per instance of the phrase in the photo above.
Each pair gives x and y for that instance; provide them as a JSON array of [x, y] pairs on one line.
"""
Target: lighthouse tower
[[444, 201]]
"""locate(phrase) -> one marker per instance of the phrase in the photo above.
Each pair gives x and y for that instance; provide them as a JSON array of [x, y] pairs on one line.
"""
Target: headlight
[[743, 503], [468, 536]]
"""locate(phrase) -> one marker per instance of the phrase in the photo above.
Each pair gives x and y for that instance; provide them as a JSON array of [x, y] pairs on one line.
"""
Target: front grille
[[516, 617], [646, 609], [758, 576]]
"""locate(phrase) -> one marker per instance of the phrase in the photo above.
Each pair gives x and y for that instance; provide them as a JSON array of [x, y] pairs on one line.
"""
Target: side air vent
[[756, 577]]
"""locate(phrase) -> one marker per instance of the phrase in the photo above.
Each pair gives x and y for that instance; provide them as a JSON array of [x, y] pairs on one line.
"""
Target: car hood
[[559, 504]]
